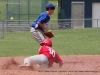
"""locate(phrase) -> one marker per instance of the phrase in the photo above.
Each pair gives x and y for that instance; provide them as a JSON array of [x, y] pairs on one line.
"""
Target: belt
[[34, 28]]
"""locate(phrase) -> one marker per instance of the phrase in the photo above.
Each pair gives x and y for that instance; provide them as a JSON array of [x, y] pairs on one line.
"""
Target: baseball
[[11, 18]]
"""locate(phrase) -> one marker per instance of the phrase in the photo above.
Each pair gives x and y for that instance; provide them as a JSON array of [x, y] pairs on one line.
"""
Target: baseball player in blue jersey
[[39, 25]]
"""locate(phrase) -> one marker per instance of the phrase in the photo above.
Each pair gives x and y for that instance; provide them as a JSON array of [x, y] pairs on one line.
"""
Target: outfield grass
[[65, 42]]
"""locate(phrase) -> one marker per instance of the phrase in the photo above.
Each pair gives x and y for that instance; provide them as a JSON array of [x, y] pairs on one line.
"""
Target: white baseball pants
[[40, 59]]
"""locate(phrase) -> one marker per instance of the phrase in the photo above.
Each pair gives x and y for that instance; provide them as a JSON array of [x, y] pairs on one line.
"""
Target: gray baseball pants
[[37, 34]]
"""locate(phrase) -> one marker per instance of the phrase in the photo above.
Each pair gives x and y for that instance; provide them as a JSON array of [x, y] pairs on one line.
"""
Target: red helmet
[[46, 42]]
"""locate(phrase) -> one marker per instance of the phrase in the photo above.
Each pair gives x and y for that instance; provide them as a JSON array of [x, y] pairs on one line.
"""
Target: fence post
[[97, 29], [3, 28]]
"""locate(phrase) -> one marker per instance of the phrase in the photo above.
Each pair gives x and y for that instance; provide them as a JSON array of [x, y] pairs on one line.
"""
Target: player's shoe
[[25, 67]]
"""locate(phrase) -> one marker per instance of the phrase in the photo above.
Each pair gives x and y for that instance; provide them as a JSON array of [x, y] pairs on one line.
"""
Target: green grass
[[78, 41], [18, 43], [65, 42]]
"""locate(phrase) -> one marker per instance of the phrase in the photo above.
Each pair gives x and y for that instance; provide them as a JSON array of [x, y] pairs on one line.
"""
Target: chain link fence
[[1, 28], [81, 25], [65, 24], [24, 9]]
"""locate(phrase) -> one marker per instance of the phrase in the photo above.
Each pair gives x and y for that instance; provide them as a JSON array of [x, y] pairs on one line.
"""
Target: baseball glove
[[49, 34]]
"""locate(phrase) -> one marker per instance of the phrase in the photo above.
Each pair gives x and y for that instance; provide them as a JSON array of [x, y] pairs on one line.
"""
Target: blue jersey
[[43, 18]]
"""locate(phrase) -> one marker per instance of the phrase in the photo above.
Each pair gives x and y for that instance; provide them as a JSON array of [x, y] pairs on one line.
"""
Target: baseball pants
[[37, 34], [40, 59]]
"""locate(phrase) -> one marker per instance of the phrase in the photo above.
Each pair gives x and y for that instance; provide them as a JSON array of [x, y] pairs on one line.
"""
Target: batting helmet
[[46, 42]]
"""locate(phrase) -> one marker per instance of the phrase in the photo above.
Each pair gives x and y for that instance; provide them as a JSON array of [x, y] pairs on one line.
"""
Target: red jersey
[[50, 54]]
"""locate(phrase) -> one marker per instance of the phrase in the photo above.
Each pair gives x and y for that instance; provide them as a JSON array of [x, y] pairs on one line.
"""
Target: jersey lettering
[[52, 52]]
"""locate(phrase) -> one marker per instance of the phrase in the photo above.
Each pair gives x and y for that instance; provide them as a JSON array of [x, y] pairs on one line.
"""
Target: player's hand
[[49, 34], [60, 64]]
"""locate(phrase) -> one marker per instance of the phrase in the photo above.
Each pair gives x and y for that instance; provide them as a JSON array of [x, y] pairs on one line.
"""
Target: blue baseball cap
[[49, 5]]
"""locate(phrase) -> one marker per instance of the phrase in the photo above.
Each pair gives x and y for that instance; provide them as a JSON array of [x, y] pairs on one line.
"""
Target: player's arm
[[42, 22], [60, 64], [59, 60], [42, 26]]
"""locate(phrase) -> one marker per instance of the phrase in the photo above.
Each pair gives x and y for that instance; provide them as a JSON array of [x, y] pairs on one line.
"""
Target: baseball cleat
[[25, 67]]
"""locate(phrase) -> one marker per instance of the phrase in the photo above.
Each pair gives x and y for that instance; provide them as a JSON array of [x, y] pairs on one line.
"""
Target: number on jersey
[[52, 52]]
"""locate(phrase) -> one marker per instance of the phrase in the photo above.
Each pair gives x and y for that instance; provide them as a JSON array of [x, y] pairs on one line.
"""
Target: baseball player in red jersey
[[45, 58]]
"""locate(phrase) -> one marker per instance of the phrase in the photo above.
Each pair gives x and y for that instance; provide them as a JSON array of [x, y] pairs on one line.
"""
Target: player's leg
[[28, 64], [41, 59], [37, 34], [36, 59]]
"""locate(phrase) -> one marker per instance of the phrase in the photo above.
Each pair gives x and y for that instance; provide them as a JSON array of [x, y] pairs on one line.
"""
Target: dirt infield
[[73, 65]]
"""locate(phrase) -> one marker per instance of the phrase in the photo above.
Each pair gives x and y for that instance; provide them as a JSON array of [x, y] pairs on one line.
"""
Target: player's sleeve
[[58, 59], [42, 19], [40, 50]]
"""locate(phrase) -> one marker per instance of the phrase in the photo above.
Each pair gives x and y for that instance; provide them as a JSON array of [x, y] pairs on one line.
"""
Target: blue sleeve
[[43, 19]]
